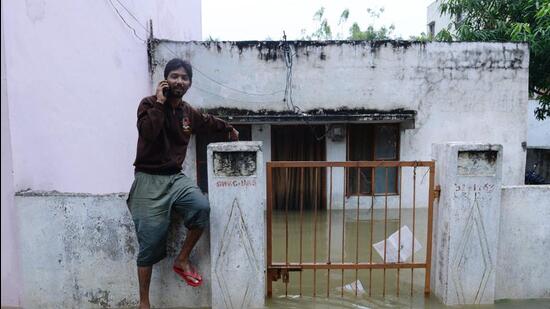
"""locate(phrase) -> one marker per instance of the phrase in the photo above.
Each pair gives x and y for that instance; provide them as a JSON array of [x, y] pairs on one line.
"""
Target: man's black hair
[[177, 63]]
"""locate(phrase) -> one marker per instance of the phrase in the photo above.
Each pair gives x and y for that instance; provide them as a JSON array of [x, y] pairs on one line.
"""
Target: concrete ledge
[[79, 251], [523, 266]]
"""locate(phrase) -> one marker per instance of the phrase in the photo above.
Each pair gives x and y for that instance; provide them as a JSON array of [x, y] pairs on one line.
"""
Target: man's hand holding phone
[[162, 91], [234, 135]]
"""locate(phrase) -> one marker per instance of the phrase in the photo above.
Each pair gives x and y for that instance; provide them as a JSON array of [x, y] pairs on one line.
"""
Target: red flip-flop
[[185, 275]]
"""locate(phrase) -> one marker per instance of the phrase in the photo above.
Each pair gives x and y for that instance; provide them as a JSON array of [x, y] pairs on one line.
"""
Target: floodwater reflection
[[349, 239]]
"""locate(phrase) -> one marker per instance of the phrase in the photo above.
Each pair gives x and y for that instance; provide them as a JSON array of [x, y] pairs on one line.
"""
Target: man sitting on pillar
[[165, 123]]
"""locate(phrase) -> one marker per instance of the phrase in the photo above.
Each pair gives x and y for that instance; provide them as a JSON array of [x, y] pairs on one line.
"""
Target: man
[[165, 124]]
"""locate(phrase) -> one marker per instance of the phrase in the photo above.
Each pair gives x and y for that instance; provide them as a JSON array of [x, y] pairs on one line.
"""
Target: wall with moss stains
[[471, 92], [79, 251]]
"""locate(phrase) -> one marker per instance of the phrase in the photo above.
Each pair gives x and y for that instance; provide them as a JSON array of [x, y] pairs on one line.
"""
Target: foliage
[[508, 20], [371, 33], [324, 30]]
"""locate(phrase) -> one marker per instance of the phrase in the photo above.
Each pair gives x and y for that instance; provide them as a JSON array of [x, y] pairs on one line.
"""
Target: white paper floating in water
[[351, 287], [392, 243]]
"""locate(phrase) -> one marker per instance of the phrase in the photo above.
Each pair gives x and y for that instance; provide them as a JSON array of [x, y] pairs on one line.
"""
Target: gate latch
[[275, 274]]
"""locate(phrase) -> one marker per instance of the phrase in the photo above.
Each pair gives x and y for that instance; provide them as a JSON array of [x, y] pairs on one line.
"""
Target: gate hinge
[[437, 191]]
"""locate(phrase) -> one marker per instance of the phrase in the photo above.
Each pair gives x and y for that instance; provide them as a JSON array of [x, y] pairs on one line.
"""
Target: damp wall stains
[[88, 247], [378, 75], [462, 91]]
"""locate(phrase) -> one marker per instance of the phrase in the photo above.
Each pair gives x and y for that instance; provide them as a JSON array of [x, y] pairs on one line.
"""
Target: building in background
[[358, 101], [436, 20], [538, 147], [538, 131]]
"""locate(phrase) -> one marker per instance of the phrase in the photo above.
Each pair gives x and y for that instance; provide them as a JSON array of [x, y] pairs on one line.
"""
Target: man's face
[[179, 82]]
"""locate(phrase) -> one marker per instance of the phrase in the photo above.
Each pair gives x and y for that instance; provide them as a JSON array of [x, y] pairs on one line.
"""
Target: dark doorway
[[298, 143]]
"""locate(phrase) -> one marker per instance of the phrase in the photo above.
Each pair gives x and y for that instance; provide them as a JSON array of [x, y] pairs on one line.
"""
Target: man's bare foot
[[187, 268], [144, 306]]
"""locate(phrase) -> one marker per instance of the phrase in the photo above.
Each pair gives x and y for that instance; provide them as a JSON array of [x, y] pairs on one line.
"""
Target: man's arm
[[205, 123], [150, 119], [151, 113]]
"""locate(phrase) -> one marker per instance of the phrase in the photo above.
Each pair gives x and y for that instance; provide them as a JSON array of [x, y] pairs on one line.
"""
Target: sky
[[236, 20]]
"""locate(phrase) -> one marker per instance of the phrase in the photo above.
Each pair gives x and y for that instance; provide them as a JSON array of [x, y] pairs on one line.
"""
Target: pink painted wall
[[76, 74], [11, 279], [72, 76]]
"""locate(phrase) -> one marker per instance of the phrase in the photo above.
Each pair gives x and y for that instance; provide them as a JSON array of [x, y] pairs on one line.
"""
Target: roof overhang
[[405, 117]]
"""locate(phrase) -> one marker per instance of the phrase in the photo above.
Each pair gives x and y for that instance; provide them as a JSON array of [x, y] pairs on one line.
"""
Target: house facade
[[538, 131], [359, 101], [436, 21]]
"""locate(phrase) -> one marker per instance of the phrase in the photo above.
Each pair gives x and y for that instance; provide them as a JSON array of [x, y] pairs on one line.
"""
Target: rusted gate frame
[[277, 270]]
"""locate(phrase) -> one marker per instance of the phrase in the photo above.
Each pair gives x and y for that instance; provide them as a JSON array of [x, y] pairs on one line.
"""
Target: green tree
[[508, 20], [371, 33], [324, 30]]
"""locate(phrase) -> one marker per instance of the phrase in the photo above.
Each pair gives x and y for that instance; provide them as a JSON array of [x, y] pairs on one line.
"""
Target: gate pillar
[[236, 186], [466, 222]]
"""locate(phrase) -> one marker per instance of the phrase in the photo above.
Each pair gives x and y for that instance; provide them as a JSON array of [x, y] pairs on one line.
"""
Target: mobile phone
[[166, 92]]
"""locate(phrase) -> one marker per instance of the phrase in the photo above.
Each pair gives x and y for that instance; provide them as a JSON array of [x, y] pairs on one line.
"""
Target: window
[[459, 17], [372, 142], [202, 142], [431, 29]]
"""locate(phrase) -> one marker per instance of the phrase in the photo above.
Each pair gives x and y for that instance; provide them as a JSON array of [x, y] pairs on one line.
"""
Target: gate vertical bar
[[385, 231], [414, 226], [301, 220], [371, 226], [329, 232], [286, 226], [316, 201], [357, 227], [400, 173], [430, 226], [269, 235], [346, 171]]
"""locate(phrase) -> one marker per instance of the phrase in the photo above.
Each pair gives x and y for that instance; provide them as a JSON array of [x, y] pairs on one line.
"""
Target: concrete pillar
[[466, 222], [236, 186]]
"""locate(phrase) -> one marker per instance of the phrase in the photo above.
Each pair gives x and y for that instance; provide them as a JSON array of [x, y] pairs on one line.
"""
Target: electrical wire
[[222, 84], [176, 55], [132, 15], [235, 89], [288, 56], [289, 100], [126, 23], [231, 99]]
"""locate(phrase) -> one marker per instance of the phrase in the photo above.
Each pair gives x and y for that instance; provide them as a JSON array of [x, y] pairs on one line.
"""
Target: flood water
[[393, 302], [356, 233], [354, 227]]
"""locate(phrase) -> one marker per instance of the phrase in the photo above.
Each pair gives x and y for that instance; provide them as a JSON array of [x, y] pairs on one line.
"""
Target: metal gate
[[406, 187]]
